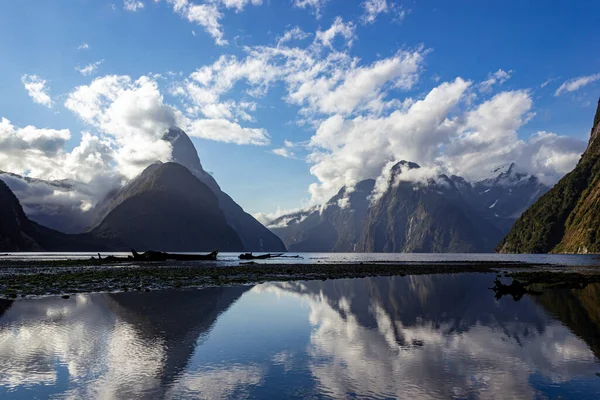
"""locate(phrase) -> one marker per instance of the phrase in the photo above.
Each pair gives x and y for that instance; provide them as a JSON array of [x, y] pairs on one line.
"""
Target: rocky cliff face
[[167, 208], [445, 214], [567, 218], [424, 217]]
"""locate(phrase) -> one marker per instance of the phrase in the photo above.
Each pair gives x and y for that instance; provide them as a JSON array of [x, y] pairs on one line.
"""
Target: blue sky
[[542, 59]]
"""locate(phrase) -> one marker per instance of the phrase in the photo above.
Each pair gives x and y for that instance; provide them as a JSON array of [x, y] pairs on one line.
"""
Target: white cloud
[[132, 112], [348, 151], [346, 90], [239, 5], [132, 5], [135, 115], [441, 134], [372, 9], [363, 345], [576, 83], [226, 131], [293, 34], [498, 77], [37, 90], [89, 69], [338, 28], [316, 5], [208, 15], [283, 152], [83, 46]]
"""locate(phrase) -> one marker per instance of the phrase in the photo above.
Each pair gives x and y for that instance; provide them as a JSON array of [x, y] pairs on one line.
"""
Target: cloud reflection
[[432, 337]]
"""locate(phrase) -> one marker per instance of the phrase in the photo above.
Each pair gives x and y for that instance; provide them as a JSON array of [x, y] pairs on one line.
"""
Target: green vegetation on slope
[[567, 218]]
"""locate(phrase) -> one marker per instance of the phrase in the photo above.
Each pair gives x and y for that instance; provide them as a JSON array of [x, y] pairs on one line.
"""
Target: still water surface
[[429, 336], [226, 259]]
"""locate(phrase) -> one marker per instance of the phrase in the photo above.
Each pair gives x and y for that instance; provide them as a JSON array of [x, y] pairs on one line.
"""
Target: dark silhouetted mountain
[[166, 208], [567, 218], [254, 235], [18, 233]]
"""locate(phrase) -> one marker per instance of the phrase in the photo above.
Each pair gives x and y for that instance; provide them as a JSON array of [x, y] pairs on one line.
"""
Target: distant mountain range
[[175, 206], [441, 214], [567, 218]]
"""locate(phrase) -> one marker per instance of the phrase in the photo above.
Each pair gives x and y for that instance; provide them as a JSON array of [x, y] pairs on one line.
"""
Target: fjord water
[[229, 258], [428, 336]]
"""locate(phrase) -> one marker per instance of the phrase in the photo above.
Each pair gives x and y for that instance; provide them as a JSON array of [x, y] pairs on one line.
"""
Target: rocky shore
[[66, 277]]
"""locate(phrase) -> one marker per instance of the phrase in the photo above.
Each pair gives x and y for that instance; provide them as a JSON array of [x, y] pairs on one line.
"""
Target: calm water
[[226, 259], [438, 336]]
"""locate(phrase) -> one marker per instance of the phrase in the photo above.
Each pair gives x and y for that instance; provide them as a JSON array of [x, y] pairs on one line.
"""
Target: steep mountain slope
[[335, 228], [428, 217], [18, 233], [567, 218], [254, 235], [167, 208]]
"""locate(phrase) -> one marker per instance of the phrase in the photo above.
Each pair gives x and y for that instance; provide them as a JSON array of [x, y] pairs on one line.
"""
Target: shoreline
[[65, 278]]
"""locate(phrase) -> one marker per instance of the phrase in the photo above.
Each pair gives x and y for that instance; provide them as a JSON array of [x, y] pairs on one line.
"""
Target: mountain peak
[[404, 165], [506, 168], [184, 152]]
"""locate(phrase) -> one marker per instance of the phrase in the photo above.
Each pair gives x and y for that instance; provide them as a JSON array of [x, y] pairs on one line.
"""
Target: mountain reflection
[[429, 336], [435, 336], [126, 345]]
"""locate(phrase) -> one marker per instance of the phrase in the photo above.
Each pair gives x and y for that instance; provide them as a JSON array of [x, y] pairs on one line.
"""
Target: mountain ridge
[[485, 209]]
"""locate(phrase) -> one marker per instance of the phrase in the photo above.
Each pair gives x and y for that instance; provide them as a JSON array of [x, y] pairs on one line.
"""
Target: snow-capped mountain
[[438, 214]]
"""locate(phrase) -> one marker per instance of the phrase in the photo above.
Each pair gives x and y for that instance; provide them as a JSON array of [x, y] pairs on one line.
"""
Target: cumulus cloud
[[89, 69], [37, 90], [441, 134], [134, 113], [83, 46], [30, 149], [346, 151], [576, 83], [72, 182]]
